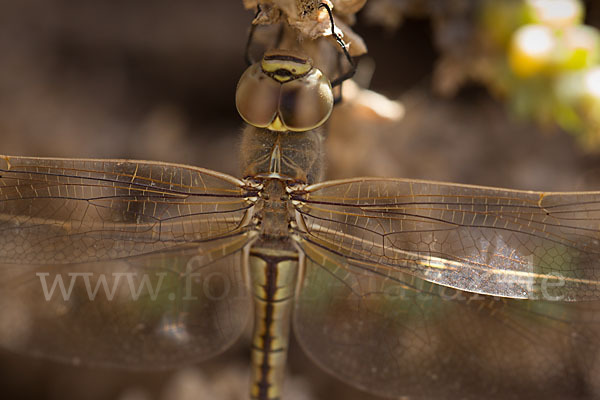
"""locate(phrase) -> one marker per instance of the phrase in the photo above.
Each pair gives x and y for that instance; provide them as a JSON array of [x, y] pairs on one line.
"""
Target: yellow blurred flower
[[532, 50], [557, 14]]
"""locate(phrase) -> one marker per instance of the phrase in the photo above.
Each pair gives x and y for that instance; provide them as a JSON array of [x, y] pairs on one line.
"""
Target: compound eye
[[256, 97], [306, 103]]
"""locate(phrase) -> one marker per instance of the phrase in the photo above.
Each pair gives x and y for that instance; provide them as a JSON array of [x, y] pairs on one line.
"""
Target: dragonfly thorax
[[284, 92], [274, 210], [293, 158]]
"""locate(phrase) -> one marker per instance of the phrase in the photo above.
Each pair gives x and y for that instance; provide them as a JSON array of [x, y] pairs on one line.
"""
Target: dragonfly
[[402, 288]]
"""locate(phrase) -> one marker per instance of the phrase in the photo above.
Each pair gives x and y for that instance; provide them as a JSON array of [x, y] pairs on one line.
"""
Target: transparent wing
[[490, 241], [61, 211], [432, 290], [117, 262], [404, 337]]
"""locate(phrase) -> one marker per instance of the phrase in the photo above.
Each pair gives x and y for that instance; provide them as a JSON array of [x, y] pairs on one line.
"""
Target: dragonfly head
[[284, 92]]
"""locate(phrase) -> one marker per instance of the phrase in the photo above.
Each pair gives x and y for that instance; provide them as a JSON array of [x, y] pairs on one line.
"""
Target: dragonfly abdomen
[[274, 274]]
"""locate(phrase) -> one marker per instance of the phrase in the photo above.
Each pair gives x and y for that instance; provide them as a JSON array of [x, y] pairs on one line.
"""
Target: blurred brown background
[[156, 80]]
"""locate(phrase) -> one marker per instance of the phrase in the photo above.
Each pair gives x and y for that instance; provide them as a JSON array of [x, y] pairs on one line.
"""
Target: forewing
[[65, 211], [490, 241]]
